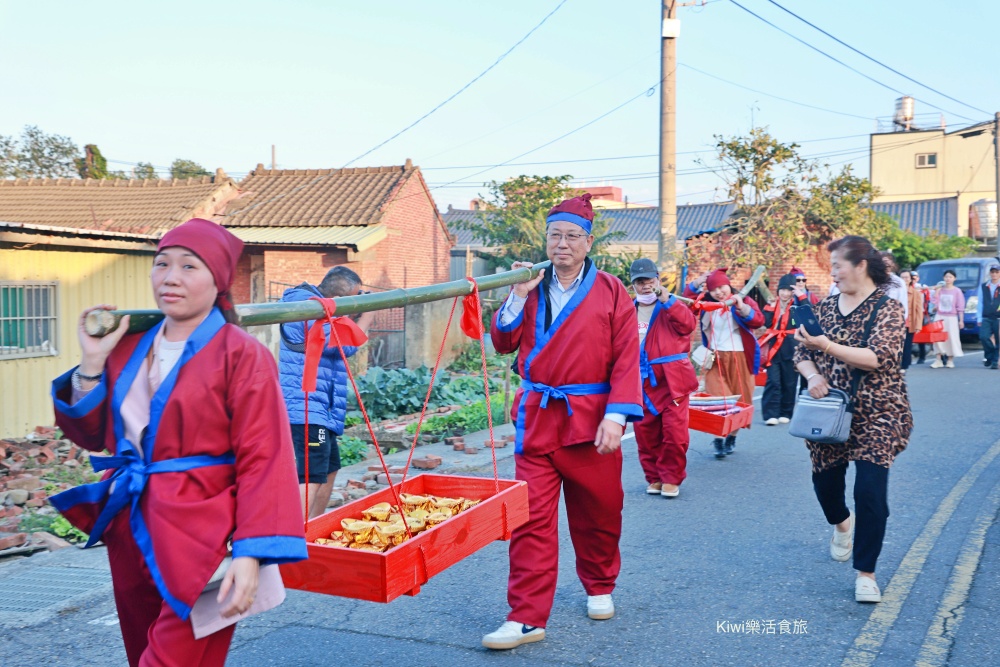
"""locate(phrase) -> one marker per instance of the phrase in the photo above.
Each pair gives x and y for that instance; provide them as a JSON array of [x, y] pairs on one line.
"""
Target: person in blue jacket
[[327, 406]]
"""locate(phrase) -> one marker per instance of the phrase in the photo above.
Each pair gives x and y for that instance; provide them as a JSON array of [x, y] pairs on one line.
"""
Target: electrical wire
[[462, 89], [777, 97], [842, 63], [877, 62]]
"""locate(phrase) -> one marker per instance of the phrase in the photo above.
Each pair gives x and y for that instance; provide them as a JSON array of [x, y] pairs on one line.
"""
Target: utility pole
[[996, 157], [669, 31]]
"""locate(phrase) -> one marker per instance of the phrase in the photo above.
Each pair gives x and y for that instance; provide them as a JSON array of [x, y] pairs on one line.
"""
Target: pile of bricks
[[26, 467]]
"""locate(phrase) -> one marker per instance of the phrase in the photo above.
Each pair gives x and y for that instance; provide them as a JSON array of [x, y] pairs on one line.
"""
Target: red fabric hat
[[717, 279], [577, 210], [215, 245], [797, 272]]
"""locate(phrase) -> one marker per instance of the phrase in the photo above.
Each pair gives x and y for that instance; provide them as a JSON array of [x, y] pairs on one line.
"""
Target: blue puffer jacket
[[328, 404]]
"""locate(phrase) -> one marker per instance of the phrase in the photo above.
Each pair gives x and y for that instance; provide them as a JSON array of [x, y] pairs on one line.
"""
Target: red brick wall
[[815, 264], [241, 284], [417, 249]]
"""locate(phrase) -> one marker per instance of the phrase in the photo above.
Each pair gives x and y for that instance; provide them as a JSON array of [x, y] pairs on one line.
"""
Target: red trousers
[[663, 441], [154, 635], [594, 498]]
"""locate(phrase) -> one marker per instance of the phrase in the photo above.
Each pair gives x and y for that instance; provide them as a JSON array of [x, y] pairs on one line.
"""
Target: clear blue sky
[[326, 81]]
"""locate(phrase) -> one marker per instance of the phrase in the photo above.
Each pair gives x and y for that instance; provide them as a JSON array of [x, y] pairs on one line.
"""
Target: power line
[[877, 62], [783, 99], [463, 88], [841, 62]]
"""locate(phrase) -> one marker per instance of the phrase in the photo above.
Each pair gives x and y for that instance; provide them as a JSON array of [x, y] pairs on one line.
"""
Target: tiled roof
[[641, 225], [922, 216], [360, 237], [316, 197], [140, 206]]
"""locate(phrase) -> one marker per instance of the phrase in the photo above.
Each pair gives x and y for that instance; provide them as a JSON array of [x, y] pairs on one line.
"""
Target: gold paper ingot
[[323, 540], [450, 505], [379, 512], [467, 503], [416, 525], [413, 502], [360, 532], [437, 517], [368, 547], [420, 515], [391, 534]]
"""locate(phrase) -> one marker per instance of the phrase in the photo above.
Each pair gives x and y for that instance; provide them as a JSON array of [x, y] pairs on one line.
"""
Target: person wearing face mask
[[201, 463], [729, 333], [778, 401], [668, 378]]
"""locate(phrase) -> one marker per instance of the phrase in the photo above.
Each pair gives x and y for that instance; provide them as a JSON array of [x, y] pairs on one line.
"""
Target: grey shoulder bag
[[827, 420]]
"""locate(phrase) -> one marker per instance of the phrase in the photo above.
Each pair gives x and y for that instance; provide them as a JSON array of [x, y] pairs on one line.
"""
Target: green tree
[[37, 154], [910, 250], [512, 222], [145, 170], [786, 204], [180, 168]]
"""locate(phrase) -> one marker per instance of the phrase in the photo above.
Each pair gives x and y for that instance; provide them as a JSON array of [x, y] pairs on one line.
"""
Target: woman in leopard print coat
[[882, 419]]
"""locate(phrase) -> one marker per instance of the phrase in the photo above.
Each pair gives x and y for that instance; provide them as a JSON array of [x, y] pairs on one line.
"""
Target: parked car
[[971, 272]]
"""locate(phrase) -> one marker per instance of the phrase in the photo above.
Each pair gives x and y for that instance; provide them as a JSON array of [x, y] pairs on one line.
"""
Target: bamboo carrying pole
[[102, 322]]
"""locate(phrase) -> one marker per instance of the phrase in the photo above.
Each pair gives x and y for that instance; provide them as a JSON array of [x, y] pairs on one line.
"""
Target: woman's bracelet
[[77, 376], [811, 376], [827, 350]]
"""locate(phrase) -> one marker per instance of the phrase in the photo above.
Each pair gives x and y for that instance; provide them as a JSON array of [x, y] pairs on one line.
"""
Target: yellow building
[[48, 275], [934, 164]]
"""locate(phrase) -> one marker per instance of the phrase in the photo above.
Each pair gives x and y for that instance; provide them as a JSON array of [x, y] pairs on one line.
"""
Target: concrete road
[[735, 571]]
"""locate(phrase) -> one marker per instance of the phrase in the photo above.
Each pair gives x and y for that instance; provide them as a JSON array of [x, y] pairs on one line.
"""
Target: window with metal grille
[[926, 160], [27, 320]]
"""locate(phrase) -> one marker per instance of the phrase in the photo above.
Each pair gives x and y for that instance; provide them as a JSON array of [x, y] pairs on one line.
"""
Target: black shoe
[[920, 361], [720, 452], [993, 367], [730, 444], [986, 362]]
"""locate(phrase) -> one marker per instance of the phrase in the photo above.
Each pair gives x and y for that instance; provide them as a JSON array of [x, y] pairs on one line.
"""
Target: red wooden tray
[[707, 422], [381, 577], [924, 336]]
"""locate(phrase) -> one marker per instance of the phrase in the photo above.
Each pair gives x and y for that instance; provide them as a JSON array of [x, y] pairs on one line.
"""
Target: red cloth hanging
[[472, 314]]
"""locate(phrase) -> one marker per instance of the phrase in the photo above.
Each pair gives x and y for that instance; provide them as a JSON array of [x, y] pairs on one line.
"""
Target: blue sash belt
[[563, 392], [124, 488], [646, 364]]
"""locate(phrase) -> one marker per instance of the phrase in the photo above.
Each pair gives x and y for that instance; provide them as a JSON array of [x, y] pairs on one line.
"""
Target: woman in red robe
[[201, 462]]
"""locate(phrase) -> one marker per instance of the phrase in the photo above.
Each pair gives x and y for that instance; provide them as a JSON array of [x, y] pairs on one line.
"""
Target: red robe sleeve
[[83, 422], [626, 383], [681, 318], [269, 518], [507, 339]]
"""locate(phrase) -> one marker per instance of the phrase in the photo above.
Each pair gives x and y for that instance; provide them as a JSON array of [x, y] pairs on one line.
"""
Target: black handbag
[[828, 420]]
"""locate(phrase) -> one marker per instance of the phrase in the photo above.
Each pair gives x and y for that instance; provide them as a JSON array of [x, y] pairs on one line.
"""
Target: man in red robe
[[574, 330], [668, 378], [201, 462]]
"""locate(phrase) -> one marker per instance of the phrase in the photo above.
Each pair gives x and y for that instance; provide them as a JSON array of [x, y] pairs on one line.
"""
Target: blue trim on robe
[[126, 485], [271, 550], [515, 323], [92, 399], [646, 364], [542, 338]]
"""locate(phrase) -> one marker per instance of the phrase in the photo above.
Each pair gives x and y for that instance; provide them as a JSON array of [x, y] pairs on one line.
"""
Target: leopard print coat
[[882, 419]]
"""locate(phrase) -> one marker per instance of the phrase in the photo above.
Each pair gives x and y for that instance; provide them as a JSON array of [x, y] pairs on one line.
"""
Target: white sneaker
[[600, 607], [866, 590], [842, 544], [783, 420], [937, 364], [950, 364], [511, 635], [773, 421]]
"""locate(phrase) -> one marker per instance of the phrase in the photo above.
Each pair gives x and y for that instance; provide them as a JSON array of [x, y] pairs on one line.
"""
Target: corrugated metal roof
[[640, 225], [923, 216], [361, 237]]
